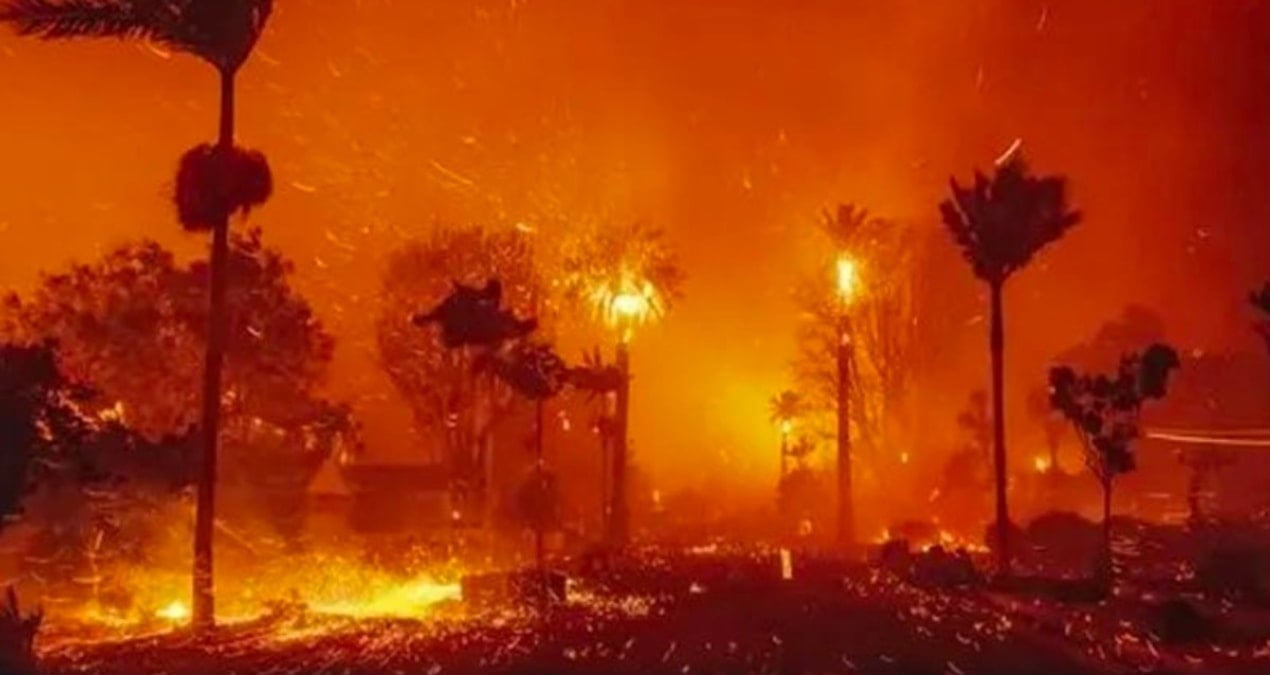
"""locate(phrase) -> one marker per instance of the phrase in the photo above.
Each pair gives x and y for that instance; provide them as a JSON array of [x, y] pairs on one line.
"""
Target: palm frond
[[1000, 223], [221, 32], [63, 19]]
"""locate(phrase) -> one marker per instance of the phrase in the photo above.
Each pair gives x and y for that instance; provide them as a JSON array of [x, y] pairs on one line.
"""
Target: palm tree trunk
[[997, 340], [605, 479], [846, 507], [784, 456], [204, 614], [619, 512], [1107, 568], [539, 556]]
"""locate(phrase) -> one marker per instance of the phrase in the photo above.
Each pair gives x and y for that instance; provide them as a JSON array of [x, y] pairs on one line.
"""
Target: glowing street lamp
[[626, 304], [847, 279]]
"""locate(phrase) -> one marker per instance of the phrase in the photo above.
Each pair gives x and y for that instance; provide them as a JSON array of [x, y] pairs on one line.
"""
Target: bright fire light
[[787, 426], [847, 277], [627, 303], [175, 611], [1041, 464], [406, 600]]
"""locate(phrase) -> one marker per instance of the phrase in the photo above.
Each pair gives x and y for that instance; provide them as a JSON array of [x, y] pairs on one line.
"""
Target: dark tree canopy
[[434, 380], [532, 369], [1001, 222], [213, 183], [38, 423], [56, 434], [475, 317], [133, 324], [1105, 409], [595, 376]]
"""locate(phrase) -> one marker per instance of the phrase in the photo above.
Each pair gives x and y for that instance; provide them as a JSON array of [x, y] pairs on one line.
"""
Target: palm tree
[[213, 183], [630, 276], [784, 408], [999, 224]]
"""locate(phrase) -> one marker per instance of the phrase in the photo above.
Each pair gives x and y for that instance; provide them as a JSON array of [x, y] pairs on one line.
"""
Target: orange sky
[[731, 123]]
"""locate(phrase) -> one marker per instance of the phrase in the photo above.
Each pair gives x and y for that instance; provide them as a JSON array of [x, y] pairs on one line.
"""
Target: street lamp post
[[846, 288]]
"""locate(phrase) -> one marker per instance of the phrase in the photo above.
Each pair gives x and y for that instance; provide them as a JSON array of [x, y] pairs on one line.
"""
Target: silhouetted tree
[[134, 323], [600, 380], [433, 370], [999, 223], [59, 441], [38, 422], [537, 373], [882, 317], [213, 182], [1105, 411]]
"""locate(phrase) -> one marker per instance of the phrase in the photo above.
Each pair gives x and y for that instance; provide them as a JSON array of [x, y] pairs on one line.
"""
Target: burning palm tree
[[214, 182], [629, 277], [1000, 223]]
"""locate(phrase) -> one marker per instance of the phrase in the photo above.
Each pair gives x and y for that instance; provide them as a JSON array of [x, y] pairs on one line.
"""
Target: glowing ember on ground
[[411, 599]]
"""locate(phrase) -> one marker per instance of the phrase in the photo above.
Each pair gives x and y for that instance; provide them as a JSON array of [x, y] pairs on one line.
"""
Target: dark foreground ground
[[705, 613]]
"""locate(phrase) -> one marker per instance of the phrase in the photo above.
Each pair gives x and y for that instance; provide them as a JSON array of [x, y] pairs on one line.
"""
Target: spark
[[1010, 152], [452, 175]]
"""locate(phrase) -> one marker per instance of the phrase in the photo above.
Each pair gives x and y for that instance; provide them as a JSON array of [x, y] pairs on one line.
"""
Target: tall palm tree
[[1000, 223], [630, 276], [784, 408], [213, 183]]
